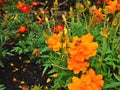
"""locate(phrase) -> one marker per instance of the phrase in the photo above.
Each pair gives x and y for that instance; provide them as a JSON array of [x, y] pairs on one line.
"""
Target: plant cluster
[[79, 47]]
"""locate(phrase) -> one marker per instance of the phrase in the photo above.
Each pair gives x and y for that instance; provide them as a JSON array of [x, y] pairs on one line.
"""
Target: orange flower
[[81, 49], [76, 66], [35, 3], [25, 9], [22, 29], [20, 5], [57, 41], [41, 20], [54, 42], [111, 7], [88, 81], [107, 1], [36, 51], [83, 45], [118, 6], [98, 15], [58, 28]]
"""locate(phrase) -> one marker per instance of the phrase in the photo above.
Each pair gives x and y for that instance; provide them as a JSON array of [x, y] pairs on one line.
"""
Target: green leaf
[[2, 87], [116, 76], [44, 70], [111, 85], [1, 64]]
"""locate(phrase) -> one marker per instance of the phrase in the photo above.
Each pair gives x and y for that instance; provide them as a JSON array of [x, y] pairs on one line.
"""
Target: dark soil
[[16, 74]]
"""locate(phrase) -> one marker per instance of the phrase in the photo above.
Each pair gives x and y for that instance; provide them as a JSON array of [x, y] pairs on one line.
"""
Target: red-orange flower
[[22, 29], [41, 20], [25, 9], [58, 28], [88, 81], [118, 6], [35, 3], [107, 1], [36, 51], [98, 16], [1, 1], [20, 5]]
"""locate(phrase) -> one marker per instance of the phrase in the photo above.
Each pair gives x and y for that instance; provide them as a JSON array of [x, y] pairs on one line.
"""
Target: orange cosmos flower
[[84, 46], [57, 41], [88, 47], [58, 28], [88, 81], [20, 5], [35, 3], [81, 49], [111, 7], [54, 42], [76, 65], [22, 29]]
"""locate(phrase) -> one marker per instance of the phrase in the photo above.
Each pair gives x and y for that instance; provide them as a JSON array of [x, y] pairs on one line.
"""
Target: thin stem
[[59, 66], [115, 32], [103, 48]]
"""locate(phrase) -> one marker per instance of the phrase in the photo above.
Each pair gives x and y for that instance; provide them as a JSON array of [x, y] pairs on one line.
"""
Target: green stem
[[103, 48], [114, 37], [59, 66]]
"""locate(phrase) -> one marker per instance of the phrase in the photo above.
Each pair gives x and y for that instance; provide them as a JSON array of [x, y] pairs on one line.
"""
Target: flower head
[[57, 41], [23, 7], [22, 29], [54, 42], [80, 50], [112, 7], [20, 5], [58, 28], [35, 3], [76, 65], [88, 81], [98, 16]]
